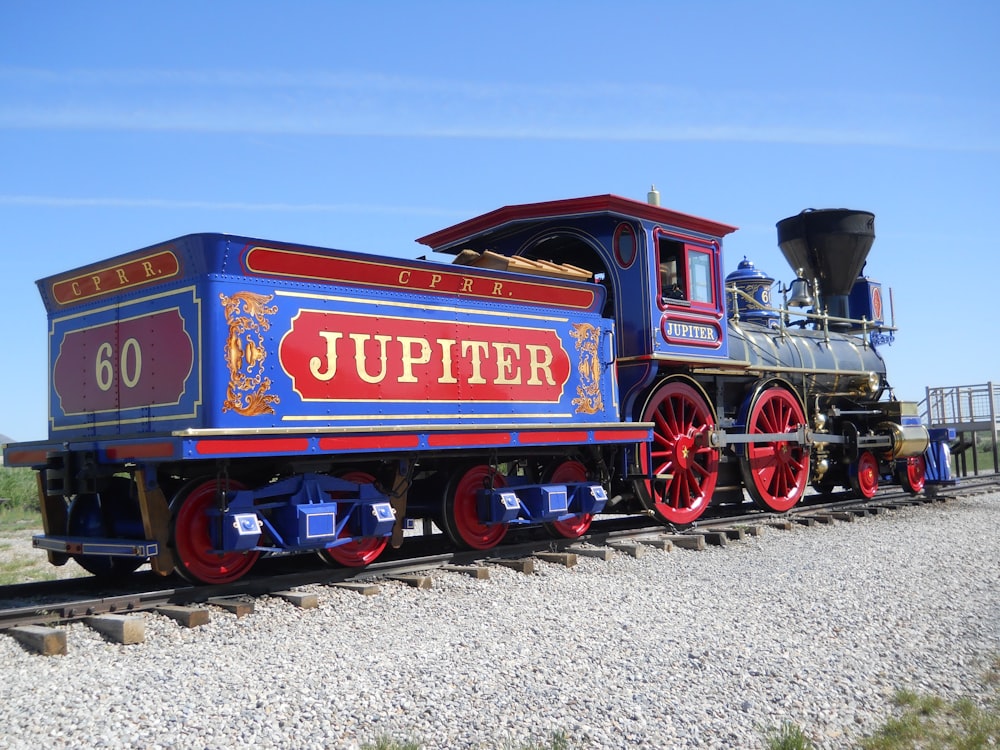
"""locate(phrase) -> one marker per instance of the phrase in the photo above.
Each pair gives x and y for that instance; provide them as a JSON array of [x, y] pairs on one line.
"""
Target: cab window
[[686, 273]]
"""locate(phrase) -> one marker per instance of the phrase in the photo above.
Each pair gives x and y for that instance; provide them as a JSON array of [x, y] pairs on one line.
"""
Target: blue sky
[[366, 125]]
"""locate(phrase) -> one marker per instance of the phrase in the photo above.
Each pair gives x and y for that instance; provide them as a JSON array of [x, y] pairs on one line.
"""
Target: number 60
[[129, 364]]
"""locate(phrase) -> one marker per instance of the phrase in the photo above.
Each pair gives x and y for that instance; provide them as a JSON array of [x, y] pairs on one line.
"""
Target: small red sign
[[142, 361], [465, 282], [876, 303], [110, 279], [333, 356]]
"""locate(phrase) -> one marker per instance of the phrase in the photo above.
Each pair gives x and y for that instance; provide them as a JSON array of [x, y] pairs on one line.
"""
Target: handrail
[[963, 404]]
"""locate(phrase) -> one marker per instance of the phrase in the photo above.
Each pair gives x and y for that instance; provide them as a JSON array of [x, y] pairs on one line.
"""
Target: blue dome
[[756, 284]]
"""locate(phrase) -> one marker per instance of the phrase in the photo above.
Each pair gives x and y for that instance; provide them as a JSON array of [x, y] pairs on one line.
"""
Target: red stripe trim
[[549, 437], [468, 439], [234, 446], [627, 436], [26, 458], [366, 442], [140, 450]]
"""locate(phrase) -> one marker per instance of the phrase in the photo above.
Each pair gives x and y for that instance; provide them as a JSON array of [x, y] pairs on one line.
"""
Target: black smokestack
[[831, 245]]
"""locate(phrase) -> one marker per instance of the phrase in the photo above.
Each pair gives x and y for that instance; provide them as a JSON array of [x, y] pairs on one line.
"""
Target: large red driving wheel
[[193, 542], [575, 527], [684, 469], [359, 552], [460, 515], [864, 475], [775, 473], [914, 475]]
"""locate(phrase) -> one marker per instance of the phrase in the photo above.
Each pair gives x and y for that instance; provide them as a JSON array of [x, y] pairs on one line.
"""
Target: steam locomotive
[[217, 398]]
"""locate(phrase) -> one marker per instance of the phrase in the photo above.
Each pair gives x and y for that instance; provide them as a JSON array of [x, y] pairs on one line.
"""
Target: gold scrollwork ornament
[[588, 392], [245, 353]]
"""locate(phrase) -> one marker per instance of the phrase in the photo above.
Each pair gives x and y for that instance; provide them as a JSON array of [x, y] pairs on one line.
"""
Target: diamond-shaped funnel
[[829, 244]]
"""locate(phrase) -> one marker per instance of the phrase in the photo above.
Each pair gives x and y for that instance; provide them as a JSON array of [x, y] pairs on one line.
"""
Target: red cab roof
[[444, 239]]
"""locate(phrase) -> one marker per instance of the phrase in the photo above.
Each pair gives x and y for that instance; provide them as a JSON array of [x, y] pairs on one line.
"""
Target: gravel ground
[[816, 626]]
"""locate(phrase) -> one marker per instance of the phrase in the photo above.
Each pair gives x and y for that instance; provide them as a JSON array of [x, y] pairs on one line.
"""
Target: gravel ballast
[[816, 626]]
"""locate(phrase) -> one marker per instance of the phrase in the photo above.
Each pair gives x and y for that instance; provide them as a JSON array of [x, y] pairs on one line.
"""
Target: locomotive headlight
[[874, 381]]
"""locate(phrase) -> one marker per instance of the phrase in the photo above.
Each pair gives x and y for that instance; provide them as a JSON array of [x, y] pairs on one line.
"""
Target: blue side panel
[[227, 333], [295, 357], [128, 367]]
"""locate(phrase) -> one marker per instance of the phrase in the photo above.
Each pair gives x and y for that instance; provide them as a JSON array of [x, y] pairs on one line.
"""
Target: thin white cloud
[[358, 104], [48, 201]]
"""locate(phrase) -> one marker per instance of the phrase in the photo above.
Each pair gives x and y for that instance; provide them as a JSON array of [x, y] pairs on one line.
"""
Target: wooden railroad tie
[[234, 605], [41, 640], [601, 553], [567, 559], [632, 549], [300, 600], [525, 565], [479, 572], [189, 617], [414, 580], [365, 588], [126, 630]]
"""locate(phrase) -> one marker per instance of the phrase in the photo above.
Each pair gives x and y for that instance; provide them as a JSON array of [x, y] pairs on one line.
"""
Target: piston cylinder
[[907, 440]]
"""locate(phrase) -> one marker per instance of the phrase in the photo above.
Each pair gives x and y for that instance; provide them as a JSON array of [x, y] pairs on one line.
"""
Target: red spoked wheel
[[864, 475], [460, 514], [913, 475], [192, 537], [575, 527], [684, 469], [775, 474], [359, 552]]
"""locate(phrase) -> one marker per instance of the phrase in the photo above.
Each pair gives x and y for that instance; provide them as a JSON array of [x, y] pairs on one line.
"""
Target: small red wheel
[[575, 527], [359, 552], [864, 475], [192, 537], [460, 514], [914, 475], [681, 479], [775, 474]]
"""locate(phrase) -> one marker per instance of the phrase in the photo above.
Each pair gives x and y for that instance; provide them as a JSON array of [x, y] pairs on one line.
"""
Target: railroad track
[[32, 612]]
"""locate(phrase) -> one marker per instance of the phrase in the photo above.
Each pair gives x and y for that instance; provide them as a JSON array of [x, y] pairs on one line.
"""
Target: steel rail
[[69, 600]]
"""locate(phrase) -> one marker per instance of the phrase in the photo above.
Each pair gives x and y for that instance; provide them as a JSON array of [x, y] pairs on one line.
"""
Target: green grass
[[788, 737], [19, 489], [20, 571], [924, 722]]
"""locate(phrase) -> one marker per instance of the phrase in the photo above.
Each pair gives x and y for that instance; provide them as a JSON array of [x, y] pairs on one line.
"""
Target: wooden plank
[[601, 553], [688, 541], [568, 559], [189, 617], [365, 588], [521, 566], [664, 543], [124, 629], [300, 600], [628, 548], [415, 580], [234, 605], [715, 538], [156, 523], [41, 640], [479, 572]]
